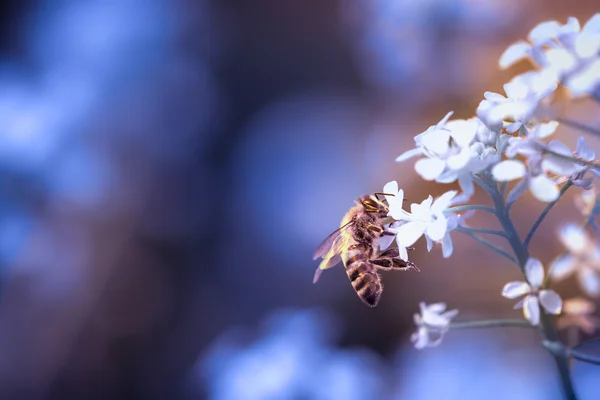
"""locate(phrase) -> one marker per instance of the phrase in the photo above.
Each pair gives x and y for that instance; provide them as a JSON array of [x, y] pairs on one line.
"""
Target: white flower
[[523, 96], [432, 323], [569, 53], [581, 258], [578, 312], [454, 151], [428, 219], [547, 34], [539, 166], [549, 299], [585, 202]]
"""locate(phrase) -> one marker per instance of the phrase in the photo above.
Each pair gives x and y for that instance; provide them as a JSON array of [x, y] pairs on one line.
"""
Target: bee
[[356, 244]]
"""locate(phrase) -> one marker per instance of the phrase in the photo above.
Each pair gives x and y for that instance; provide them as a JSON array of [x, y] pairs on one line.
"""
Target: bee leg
[[375, 228], [390, 260]]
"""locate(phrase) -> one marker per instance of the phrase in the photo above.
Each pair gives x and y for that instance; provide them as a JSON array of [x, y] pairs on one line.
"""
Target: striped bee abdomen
[[364, 278]]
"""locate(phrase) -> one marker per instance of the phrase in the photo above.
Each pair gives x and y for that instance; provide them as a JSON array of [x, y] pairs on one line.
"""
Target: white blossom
[[577, 312], [534, 297], [547, 163], [428, 218], [582, 258], [432, 323], [568, 52], [585, 202], [523, 96], [454, 151]]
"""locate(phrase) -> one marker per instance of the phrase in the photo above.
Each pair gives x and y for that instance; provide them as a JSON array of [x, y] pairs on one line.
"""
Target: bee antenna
[[388, 194]]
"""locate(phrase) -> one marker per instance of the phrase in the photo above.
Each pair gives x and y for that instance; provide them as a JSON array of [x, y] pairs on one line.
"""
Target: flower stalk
[[547, 326]]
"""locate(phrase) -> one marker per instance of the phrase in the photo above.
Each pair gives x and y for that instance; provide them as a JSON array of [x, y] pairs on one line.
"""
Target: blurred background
[[168, 167]]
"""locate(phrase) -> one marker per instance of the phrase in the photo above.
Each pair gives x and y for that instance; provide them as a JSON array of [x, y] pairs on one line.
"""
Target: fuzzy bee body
[[356, 244]]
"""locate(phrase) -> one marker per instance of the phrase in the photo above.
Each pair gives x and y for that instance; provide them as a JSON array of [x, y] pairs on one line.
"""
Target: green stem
[[580, 126], [582, 357], [485, 231], [487, 244], [547, 326], [471, 208], [492, 323], [539, 220], [503, 187]]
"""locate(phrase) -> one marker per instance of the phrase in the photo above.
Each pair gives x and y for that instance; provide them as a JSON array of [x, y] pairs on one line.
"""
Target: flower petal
[[403, 252], [443, 202], [465, 182], [584, 151], [430, 168], [460, 160], [589, 281], [514, 53], [429, 243], [531, 309], [447, 246], [517, 191], [391, 187], [437, 229], [515, 289], [593, 24], [519, 304], [563, 267], [409, 154], [444, 120], [574, 238], [385, 241], [544, 32], [543, 188], [534, 272], [409, 233], [578, 306], [551, 301], [420, 338], [508, 170]]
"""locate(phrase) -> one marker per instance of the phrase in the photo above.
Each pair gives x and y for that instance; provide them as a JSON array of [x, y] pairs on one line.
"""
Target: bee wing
[[326, 263], [331, 242]]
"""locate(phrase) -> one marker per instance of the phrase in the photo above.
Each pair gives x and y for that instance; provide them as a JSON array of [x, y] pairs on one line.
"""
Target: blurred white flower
[[549, 299], [578, 312], [523, 96], [432, 323], [454, 151], [289, 359], [429, 219], [569, 53], [539, 165], [582, 258], [585, 201]]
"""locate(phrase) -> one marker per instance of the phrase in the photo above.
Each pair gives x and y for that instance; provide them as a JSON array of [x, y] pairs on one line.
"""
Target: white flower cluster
[[582, 258], [566, 53], [432, 323], [514, 125], [430, 218], [510, 139], [454, 150]]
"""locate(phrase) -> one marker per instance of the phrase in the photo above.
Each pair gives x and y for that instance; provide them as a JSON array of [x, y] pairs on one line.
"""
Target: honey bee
[[356, 244]]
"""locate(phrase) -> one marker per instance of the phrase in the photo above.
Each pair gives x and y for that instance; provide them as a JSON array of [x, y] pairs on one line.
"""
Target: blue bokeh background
[[167, 168]]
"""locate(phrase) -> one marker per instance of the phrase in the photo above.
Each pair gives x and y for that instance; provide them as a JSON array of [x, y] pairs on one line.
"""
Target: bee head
[[373, 205]]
